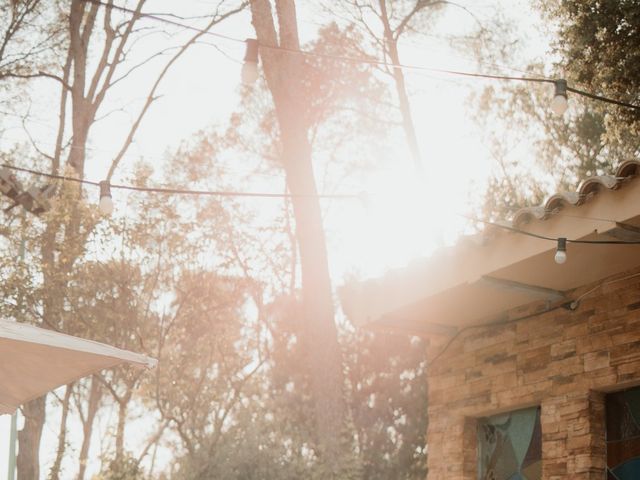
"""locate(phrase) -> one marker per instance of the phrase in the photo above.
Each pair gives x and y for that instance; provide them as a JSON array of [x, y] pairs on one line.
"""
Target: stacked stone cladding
[[564, 361]]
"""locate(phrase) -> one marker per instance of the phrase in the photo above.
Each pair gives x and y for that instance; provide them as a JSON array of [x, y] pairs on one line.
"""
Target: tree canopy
[[259, 375]]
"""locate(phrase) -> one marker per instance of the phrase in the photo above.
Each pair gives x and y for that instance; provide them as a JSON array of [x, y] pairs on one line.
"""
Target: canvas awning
[[34, 361]]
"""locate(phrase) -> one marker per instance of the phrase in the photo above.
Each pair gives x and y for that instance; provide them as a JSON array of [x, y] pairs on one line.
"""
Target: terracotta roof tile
[[586, 190]]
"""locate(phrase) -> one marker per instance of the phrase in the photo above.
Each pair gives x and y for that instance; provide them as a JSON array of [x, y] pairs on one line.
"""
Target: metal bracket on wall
[[532, 290]]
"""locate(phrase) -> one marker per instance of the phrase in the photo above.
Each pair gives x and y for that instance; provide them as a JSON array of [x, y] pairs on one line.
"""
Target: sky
[[401, 223]]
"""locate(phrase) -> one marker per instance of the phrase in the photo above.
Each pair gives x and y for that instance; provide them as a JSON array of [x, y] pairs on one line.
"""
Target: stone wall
[[562, 360]]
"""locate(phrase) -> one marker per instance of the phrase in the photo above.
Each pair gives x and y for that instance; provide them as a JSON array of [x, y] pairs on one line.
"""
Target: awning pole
[[12, 447]]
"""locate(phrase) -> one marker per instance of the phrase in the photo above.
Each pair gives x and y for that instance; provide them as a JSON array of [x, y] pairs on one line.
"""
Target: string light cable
[[561, 242], [554, 239], [559, 104], [105, 187]]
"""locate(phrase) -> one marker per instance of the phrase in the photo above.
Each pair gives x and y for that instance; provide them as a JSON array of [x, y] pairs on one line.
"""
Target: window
[[623, 435], [510, 446]]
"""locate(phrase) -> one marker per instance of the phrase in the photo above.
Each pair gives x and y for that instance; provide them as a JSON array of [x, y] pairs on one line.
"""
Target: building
[[534, 366]]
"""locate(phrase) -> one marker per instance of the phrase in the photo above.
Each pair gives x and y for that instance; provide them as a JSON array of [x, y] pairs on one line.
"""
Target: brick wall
[[562, 360]]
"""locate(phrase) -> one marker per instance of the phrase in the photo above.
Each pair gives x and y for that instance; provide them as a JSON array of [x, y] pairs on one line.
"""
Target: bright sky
[[203, 90]]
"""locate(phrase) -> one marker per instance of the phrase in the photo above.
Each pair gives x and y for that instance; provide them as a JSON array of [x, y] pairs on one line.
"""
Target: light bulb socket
[[561, 251], [560, 88], [251, 52], [562, 244], [105, 189]]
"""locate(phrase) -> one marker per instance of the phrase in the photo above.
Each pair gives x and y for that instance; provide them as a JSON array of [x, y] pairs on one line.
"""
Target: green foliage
[[599, 43], [210, 288], [272, 435], [599, 49], [387, 384], [271, 431], [126, 468]]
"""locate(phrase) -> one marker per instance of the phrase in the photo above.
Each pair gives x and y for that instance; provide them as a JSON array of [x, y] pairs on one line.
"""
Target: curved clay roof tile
[[525, 215], [557, 201], [628, 169], [595, 183], [587, 189]]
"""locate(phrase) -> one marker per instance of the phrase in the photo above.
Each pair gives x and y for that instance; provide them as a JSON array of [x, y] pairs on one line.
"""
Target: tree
[[387, 381], [599, 46], [384, 23], [79, 30], [283, 74], [592, 137], [208, 287], [276, 423]]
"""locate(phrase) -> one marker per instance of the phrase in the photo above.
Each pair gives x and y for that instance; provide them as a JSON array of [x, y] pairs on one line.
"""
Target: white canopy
[[34, 361]]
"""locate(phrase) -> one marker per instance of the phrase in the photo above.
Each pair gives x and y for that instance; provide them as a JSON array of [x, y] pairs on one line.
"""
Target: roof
[[484, 275], [587, 189]]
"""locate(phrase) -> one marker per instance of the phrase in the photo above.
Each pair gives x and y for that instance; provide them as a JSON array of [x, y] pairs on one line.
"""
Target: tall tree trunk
[[401, 89], [320, 332], [122, 421], [87, 91], [283, 71], [87, 425], [81, 24], [54, 473], [28, 461]]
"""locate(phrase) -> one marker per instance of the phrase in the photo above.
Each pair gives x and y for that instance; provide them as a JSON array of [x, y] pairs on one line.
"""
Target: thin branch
[[57, 154], [141, 64], [153, 441], [151, 96], [117, 58], [36, 75], [106, 49]]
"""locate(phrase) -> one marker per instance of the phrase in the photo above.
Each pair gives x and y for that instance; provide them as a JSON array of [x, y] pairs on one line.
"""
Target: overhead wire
[[163, 17], [158, 18], [371, 61], [362, 60], [360, 197], [180, 191], [553, 239]]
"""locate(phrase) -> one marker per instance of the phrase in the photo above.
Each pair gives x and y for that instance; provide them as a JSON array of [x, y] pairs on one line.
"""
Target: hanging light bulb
[[106, 202], [249, 73], [561, 251], [559, 104]]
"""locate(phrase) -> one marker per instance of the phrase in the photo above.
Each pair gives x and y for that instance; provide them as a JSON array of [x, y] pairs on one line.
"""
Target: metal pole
[[11, 475]]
